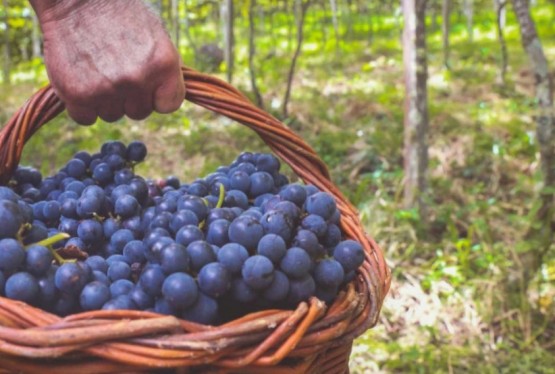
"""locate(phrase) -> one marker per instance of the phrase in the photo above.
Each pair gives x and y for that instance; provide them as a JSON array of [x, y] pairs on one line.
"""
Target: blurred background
[[435, 118]]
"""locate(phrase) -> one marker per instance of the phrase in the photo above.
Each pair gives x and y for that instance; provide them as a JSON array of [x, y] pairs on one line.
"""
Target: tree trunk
[[349, 20], [300, 13], [468, 6], [445, 26], [502, 14], [291, 22], [540, 236], [323, 22], [333, 5], [272, 32], [252, 53], [416, 104], [37, 53], [188, 35], [370, 24], [175, 22], [160, 6], [229, 40], [7, 56], [434, 11], [501, 37]]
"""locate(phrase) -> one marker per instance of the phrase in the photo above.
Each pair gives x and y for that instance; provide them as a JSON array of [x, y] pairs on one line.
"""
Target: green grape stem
[[49, 242], [221, 198]]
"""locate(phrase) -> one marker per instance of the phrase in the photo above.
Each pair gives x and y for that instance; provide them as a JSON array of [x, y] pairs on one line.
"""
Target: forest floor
[[445, 311]]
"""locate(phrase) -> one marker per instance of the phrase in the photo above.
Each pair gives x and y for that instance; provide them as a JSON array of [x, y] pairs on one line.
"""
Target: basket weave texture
[[313, 338]]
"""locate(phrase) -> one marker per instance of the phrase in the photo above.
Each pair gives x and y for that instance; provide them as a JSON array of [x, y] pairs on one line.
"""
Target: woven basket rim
[[112, 340]]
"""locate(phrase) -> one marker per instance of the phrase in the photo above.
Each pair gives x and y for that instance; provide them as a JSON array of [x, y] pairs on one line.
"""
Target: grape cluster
[[98, 236]]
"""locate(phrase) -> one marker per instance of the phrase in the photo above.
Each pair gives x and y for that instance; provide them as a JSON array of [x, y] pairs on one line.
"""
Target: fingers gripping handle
[[202, 89]]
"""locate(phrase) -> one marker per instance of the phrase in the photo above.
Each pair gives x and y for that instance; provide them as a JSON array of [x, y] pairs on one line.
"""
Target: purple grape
[[38, 260], [121, 287], [242, 292], [94, 295], [214, 280], [204, 310], [258, 272], [174, 258], [151, 280], [12, 255], [294, 193], [11, 219], [126, 206], [22, 286], [329, 273], [321, 204], [180, 290], [218, 232], [273, 247], [261, 183], [316, 224], [349, 254], [278, 289], [301, 289], [279, 223], [71, 278], [136, 151], [118, 270], [247, 231], [296, 263], [200, 253], [188, 234]]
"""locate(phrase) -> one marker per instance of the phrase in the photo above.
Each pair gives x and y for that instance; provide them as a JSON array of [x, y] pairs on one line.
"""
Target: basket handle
[[219, 97]]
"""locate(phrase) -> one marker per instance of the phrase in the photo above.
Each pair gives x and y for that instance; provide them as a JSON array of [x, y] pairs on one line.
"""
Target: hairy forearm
[[44, 7], [52, 10], [40, 5]]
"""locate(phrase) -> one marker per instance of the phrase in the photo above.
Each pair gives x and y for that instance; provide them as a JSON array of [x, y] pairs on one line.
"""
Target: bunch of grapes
[[97, 236]]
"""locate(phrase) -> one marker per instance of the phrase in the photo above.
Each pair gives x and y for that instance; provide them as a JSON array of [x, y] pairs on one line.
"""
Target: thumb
[[169, 95]]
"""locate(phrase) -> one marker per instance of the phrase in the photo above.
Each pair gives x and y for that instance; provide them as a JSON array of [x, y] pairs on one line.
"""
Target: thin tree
[[175, 22], [501, 11], [252, 53], [7, 56], [434, 10], [35, 36], [333, 6], [468, 9], [187, 28], [540, 236], [416, 104], [370, 23], [300, 14], [503, 44], [324, 24], [445, 28], [272, 30], [227, 16]]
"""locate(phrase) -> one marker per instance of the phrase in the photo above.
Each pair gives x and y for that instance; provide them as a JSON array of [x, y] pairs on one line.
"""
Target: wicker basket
[[313, 338]]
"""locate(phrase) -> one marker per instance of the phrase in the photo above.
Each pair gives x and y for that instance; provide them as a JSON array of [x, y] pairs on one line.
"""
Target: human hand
[[109, 58]]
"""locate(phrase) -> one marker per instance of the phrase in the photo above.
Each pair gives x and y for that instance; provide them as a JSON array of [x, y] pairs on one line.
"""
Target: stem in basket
[[49, 242], [221, 197]]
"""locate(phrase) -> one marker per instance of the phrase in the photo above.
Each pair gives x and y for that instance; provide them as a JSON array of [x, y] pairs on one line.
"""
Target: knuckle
[[131, 79], [166, 61]]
